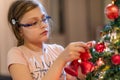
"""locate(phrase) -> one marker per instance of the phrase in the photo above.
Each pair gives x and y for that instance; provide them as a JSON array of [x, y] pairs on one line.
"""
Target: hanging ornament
[[99, 47], [106, 68], [86, 67], [115, 59], [112, 11], [85, 56], [72, 68]]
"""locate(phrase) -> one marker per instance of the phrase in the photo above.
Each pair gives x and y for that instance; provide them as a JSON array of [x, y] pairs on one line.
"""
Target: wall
[[82, 18], [6, 37], [96, 18], [75, 20], [106, 20]]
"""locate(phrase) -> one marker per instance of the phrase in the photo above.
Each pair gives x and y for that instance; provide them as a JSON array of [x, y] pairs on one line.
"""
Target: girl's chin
[[45, 39]]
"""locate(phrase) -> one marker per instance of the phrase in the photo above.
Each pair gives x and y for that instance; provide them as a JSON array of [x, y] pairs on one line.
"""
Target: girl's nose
[[44, 25]]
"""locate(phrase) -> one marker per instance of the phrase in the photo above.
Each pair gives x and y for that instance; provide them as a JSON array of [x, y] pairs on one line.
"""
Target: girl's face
[[34, 27]]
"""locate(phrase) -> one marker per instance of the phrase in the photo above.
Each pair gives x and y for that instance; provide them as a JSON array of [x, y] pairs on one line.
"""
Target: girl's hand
[[73, 51], [91, 44]]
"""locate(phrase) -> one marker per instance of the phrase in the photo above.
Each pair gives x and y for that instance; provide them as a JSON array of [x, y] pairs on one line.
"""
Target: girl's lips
[[45, 32]]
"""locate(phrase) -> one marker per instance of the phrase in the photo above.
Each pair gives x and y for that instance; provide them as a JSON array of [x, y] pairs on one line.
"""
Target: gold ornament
[[106, 68]]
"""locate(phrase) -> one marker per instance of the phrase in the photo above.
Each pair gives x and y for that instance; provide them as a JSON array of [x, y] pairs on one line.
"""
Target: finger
[[79, 49], [91, 43], [75, 56], [74, 53], [81, 44]]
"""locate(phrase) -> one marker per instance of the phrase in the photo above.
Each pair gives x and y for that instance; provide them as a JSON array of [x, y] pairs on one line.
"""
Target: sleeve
[[15, 56], [58, 48]]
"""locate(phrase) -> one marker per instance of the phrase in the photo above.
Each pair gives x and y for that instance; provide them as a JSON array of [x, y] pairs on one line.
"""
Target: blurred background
[[73, 20]]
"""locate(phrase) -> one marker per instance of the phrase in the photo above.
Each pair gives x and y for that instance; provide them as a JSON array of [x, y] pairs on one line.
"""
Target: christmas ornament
[[85, 56], [99, 47], [72, 68], [86, 67], [112, 11], [115, 59]]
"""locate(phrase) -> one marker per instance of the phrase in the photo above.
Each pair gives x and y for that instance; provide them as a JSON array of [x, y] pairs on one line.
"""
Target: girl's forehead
[[36, 12]]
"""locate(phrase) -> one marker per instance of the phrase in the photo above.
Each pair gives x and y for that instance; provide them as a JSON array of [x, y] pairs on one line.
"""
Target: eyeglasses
[[39, 22]]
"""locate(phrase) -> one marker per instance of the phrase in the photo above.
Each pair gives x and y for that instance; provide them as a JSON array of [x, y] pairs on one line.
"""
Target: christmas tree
[[106, 52], [102, 61]]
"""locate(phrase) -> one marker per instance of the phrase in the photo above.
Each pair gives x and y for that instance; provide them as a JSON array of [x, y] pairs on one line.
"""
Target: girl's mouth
[[44, 33]]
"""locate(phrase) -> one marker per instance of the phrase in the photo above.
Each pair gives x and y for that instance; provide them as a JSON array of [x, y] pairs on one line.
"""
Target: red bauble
[[86, 67], [99, 47], [115, 59], [112, 11], [85, 56], [72, 68]]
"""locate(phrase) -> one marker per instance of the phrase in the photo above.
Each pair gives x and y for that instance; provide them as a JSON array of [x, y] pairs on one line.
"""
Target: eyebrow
[[30, 18]]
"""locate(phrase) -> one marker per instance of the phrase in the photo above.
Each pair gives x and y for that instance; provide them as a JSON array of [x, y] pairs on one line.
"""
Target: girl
[[32, 59]]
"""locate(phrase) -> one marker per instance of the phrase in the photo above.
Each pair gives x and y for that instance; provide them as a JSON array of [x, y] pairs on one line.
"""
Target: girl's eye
[[34, 23], [29, 24]]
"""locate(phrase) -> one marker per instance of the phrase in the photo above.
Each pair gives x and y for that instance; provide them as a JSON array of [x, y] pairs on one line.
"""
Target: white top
[[38, 63]]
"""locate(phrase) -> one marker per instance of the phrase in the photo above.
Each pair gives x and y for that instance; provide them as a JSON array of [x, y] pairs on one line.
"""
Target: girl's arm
[[71, 52], [55, 70], [20, 72]]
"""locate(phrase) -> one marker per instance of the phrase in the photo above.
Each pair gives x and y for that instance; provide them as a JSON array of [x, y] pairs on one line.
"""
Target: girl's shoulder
[[14, 49], [15, 56]]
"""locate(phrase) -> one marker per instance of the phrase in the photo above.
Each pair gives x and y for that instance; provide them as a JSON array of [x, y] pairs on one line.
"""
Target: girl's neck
[[35, 47]]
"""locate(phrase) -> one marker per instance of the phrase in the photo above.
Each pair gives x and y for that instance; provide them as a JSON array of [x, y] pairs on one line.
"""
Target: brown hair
[[16, 12]]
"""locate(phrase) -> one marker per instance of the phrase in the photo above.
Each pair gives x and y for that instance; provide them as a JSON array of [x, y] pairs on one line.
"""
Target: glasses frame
[[46, 18]]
